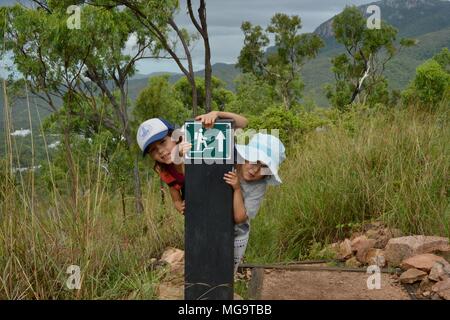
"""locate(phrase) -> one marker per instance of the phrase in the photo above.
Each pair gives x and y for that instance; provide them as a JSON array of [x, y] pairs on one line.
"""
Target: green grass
[[392, 166], [113, 252]]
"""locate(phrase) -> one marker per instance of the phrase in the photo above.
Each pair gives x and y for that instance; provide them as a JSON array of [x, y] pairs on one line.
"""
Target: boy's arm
[[209, 118], [177, 200]]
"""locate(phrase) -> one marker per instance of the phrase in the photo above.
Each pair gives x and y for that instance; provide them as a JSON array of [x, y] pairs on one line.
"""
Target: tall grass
[[42, 234], [391, 166], [112, 251]]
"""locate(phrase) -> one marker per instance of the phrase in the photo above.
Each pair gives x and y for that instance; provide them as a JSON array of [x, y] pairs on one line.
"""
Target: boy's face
[[161, 150], [253, 171]]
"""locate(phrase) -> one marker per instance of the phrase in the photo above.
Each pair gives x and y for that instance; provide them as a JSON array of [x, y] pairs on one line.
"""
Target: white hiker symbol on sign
[[214, 143], [200, 140]]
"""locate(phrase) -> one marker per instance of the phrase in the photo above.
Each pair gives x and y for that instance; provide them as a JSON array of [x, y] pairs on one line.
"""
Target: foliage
[[253, 96], [430, 87], [160, 99], [221, 97], [443, 58], [290, 125], [361, 68], [281, 67], [392, 165], [275, 118]]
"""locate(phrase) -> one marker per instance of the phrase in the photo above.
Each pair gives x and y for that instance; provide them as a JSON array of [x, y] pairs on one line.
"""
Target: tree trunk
[[202, 28], [126, 128], [124, 210], [136, 179], [194, 97], [208, 68], [71, 165], [137, 187]]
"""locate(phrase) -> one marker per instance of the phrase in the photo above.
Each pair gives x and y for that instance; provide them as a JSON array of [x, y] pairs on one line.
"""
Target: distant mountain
[[412, 18], [425, 20]]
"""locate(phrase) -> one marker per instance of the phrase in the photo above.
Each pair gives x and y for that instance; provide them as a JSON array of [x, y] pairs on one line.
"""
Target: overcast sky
[[225, 17]]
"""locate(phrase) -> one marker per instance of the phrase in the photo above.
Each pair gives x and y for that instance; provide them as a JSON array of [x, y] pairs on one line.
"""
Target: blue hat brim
[[155, 138]]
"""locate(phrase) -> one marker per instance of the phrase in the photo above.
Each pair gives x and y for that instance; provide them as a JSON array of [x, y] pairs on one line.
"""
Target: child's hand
[[184, 148], [232, 179], [180, 206], [208, 119]]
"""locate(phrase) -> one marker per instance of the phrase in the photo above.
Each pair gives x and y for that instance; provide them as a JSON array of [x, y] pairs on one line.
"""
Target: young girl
[[257, 167]]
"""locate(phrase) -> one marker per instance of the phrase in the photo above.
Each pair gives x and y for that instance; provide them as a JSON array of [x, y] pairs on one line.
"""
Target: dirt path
[[325, 285]]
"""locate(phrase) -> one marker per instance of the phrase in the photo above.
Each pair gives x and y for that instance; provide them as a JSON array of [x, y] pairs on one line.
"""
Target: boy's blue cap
[[151, 131]]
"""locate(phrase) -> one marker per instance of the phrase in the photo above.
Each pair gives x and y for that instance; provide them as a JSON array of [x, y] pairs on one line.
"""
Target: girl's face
[[252, 171], [161, 150]]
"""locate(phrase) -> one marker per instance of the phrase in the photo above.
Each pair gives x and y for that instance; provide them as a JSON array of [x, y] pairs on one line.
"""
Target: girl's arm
[[239, 211], [177, 200], [208, 119], [240, 214]]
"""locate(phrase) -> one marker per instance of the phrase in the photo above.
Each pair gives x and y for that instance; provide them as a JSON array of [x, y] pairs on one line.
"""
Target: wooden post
[[209, 224]]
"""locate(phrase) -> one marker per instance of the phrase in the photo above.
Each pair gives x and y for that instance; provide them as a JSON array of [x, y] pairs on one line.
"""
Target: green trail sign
[[209, 144], [209, 223]]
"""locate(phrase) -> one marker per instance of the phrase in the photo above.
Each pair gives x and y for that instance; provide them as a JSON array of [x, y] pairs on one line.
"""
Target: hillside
[[412, 18], [399, 71]]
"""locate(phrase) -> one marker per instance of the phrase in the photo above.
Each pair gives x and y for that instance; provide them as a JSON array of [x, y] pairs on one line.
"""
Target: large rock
[[375, 257], [344, 250], [382, 236], [402, 248], [361, 245], [412, 276], [439, 271], [352, 263], [426, 285], [422, 262], [444, 254], [442, 288], [175, 259]]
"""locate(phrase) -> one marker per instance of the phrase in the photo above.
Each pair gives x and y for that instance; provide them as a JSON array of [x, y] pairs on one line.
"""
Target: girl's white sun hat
[[267, 149]]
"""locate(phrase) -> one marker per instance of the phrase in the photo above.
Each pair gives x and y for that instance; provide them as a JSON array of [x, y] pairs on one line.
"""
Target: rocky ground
[[421, 262]]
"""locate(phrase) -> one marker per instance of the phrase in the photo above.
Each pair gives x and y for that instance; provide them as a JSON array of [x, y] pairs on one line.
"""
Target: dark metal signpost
[[209, 212]]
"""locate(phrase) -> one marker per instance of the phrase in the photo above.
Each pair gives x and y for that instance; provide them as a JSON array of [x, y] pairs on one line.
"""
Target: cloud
[[21, 133]]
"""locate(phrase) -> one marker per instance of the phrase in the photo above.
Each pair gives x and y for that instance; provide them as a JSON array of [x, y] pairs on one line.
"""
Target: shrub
[[430, 86]]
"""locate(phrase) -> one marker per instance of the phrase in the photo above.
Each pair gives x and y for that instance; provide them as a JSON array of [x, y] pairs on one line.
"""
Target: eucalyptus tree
[[78, 65], [279, 66], [149, 12], [366, 52]]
